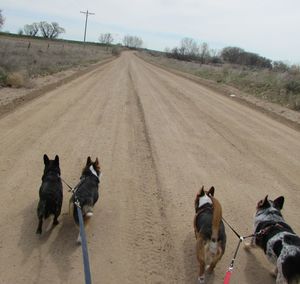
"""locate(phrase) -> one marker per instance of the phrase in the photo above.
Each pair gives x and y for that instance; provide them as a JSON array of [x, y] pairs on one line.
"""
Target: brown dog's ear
[[88, 160], [46, 159], [278, 202], [211, 191], [97, 161], [56, 159]]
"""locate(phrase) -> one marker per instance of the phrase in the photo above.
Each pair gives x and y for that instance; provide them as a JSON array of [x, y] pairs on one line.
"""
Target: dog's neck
[[204, 200]]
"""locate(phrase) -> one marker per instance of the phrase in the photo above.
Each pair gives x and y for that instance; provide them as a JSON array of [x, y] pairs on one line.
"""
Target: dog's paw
[[274, 272], [201, 279], [248, 246]]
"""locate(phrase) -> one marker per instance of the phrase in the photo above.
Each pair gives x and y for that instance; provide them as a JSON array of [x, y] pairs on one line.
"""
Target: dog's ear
[[278, 202], [56, 159], [46, 160], [264, 203], [97, 162], [202, 192], [211, 191], [88, 160]]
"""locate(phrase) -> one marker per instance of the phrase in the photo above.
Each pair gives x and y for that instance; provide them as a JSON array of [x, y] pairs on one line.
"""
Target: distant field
[[22, 58], [278, 87]]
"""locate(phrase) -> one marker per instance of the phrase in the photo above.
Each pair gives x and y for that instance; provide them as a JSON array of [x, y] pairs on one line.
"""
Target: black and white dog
[[86, 193], [51, 193], [278, 240]]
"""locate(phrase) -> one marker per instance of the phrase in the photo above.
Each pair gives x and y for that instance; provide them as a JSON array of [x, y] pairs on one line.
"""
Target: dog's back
[[209, 231], [87, 195], [87, 191], [50, 192]]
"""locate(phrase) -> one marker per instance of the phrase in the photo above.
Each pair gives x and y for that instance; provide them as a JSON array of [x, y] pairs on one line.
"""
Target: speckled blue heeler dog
[[278, 240]]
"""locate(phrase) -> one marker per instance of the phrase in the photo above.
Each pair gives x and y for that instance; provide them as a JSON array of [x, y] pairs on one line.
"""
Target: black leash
[[70, 188], [241, 239], [85, 255], [233, 230], [86, 263]]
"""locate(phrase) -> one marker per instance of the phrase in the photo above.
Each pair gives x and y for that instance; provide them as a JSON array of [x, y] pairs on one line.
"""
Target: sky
[[270, 28]]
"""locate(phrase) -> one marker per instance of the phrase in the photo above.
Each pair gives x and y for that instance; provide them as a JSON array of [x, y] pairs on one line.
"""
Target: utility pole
[[87, 13]]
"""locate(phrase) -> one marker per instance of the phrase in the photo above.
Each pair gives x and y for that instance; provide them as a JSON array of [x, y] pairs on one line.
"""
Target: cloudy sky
[[270, 28]]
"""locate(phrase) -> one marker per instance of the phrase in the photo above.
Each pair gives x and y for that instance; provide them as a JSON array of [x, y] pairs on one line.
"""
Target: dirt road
[[159, 138]]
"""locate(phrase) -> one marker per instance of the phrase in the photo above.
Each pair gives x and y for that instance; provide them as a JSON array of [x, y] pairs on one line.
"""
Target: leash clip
[[77, 203]]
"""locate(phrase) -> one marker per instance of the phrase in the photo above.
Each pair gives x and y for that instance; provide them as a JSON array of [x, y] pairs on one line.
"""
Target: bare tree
[[189, 47], [132, 41], [52, 30], [2, 19], [32, 29], [204, 53], [57, 30], [106, 38]]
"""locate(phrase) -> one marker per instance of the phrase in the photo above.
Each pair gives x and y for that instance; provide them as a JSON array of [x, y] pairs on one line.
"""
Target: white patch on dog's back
[[204, 200], [93, 171]]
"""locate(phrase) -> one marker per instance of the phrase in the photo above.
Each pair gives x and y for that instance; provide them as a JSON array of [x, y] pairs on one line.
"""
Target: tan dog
[[209, 232]]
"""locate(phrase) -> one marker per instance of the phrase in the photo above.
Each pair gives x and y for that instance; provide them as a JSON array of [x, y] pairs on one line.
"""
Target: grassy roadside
[[24, 58], [278, 87]]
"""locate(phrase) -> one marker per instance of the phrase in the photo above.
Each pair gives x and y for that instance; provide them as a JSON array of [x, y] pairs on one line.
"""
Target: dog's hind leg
[[213, 264], [201, 260], [55, 221]]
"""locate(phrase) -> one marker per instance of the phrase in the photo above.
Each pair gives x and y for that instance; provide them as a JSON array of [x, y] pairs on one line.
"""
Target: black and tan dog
[[86, 193], [277, 239], [51, 194], [209, 231]]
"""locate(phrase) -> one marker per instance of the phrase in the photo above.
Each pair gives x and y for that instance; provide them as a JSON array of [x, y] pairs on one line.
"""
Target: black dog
[[278, 240], [86, 193], [51, 194]]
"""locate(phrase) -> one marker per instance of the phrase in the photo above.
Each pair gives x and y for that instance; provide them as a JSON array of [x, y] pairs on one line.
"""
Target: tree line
[[189, 50], [128, 40], [43, 29]]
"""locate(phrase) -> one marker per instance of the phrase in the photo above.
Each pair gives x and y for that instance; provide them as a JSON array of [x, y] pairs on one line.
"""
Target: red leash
[[230, 269]]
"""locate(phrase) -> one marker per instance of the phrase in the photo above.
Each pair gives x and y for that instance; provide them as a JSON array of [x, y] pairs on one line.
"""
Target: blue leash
[[86, 263]]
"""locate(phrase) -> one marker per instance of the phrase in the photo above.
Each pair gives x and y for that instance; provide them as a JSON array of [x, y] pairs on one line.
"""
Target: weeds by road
[[274, 86], [21, 58]]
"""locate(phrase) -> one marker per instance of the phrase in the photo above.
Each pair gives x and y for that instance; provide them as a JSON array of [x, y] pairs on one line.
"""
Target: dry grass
[[43, 57], [278, 87]]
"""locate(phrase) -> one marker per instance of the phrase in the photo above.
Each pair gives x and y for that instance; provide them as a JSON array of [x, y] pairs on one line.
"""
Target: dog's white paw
[[89, 214], [201, 279]]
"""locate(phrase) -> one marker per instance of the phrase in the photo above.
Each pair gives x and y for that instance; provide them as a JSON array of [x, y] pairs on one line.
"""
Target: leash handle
[[230, 269], [227, 277], [86, 264]]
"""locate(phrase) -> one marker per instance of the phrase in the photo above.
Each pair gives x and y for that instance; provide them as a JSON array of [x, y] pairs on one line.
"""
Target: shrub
[[293, 86], [115, 51], [15, 80]]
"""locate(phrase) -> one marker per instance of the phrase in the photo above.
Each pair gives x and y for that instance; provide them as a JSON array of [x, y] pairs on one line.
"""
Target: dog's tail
[[87, 210], [216, 222]]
